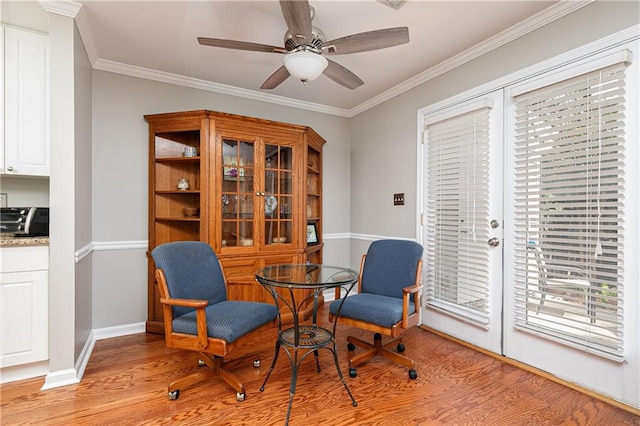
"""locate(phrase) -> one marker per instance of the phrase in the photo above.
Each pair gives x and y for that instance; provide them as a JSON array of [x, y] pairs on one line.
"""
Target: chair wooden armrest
[[201, 316], [412, 289], [406, 296], [187, 303]]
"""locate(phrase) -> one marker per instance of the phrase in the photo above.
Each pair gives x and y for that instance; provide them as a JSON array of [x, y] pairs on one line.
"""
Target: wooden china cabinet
[[248, 187]]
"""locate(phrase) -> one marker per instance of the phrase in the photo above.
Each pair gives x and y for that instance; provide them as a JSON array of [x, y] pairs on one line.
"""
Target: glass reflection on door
[[237, 193], [278, 203]]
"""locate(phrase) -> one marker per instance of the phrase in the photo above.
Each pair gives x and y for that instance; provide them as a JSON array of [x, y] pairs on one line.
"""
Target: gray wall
[[120, 179], [385, 137], [83, 188]]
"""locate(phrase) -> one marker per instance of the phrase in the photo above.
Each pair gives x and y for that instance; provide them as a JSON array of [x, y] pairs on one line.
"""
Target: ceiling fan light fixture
[[305, 66]]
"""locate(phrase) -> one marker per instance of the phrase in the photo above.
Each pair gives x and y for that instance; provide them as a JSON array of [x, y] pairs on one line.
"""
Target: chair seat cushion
[[228, 320], [372, 308]]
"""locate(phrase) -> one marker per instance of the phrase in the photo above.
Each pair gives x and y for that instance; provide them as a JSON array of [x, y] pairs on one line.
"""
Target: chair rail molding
[[84, 251]]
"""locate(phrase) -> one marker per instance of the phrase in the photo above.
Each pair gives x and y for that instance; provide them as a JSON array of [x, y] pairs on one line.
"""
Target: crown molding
[[194, 83], [552, 13], [61, 7]]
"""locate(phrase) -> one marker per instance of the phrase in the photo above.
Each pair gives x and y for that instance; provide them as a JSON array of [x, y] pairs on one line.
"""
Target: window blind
[[457, 215], [569, 184]]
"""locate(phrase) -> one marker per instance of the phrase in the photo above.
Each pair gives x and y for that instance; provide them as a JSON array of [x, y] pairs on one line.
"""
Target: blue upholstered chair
[[197, 314], [387, 302]]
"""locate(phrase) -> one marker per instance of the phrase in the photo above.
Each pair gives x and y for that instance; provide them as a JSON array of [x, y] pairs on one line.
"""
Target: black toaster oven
[[25, 221]]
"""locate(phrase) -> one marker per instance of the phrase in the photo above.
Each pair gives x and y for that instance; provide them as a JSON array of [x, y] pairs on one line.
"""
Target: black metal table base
[[303, 339], [312, 338]]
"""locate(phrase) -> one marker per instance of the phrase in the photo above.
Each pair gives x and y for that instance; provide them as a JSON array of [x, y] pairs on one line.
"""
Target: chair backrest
[[390, 266], [192, 271]]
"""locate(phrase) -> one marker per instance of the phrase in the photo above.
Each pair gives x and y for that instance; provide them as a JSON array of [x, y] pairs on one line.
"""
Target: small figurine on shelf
[[183, 184]]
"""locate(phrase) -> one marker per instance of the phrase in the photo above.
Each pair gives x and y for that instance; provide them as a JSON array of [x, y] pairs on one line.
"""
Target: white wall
[[120, 180], [25, 192], [62, 183]]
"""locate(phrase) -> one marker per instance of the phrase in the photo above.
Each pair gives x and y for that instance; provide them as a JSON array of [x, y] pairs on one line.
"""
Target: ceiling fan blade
[[297, 15], [240, 45], [367, 41], [276, 78], [342, 76]]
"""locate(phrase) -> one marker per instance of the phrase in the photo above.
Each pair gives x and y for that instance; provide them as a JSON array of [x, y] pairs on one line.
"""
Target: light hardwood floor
[[126, 378]]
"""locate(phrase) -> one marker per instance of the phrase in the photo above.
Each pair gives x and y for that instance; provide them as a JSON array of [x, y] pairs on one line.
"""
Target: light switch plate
[[398, 199], [3, 199]]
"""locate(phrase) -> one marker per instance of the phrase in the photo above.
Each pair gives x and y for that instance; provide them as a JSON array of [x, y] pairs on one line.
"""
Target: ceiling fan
[[305, 47]]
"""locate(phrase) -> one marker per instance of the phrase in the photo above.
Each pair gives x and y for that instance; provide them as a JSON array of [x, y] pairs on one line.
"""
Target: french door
[[567, 270], [463, 232], [530, 207]]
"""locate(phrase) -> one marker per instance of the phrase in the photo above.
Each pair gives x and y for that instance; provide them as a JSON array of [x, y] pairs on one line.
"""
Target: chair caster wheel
[[352, 372], [400, 347], [351, 347], [413, 374], [256, 363], [201, 363], [240, 396], [174, 395]]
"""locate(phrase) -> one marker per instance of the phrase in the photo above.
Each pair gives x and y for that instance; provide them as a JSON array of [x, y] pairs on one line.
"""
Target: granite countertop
[[8, 240]]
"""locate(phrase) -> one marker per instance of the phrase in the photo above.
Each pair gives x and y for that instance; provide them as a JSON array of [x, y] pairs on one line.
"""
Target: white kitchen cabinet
[[26, 103], [24, 309]]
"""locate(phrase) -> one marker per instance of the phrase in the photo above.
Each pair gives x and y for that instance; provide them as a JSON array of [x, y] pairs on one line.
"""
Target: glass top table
[[300, 340]]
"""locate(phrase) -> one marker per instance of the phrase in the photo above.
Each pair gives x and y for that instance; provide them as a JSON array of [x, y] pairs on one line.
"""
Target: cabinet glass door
[[238, 189], [278, 198]]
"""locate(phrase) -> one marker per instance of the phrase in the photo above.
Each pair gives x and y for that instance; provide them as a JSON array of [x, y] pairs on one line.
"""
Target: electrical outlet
[[398, 199]]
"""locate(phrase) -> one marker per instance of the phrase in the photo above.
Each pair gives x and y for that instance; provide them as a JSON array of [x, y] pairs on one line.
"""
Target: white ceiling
[[157, 39]]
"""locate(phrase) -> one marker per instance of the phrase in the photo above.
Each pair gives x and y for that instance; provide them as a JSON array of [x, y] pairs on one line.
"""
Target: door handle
[[493, 242]]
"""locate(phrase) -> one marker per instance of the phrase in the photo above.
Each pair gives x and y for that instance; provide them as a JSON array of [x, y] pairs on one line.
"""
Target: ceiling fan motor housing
[[317, 39]]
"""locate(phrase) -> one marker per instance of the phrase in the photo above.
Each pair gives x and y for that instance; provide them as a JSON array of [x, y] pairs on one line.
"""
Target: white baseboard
[[119, 330], [56, 379], [71, 376], [83, 359]]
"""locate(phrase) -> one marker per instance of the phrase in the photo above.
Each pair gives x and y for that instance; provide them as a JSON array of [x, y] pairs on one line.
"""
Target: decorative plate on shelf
[[270, 204]]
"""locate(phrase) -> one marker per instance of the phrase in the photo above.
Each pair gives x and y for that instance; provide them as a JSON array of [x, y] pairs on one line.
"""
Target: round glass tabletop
[[306, 275]]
